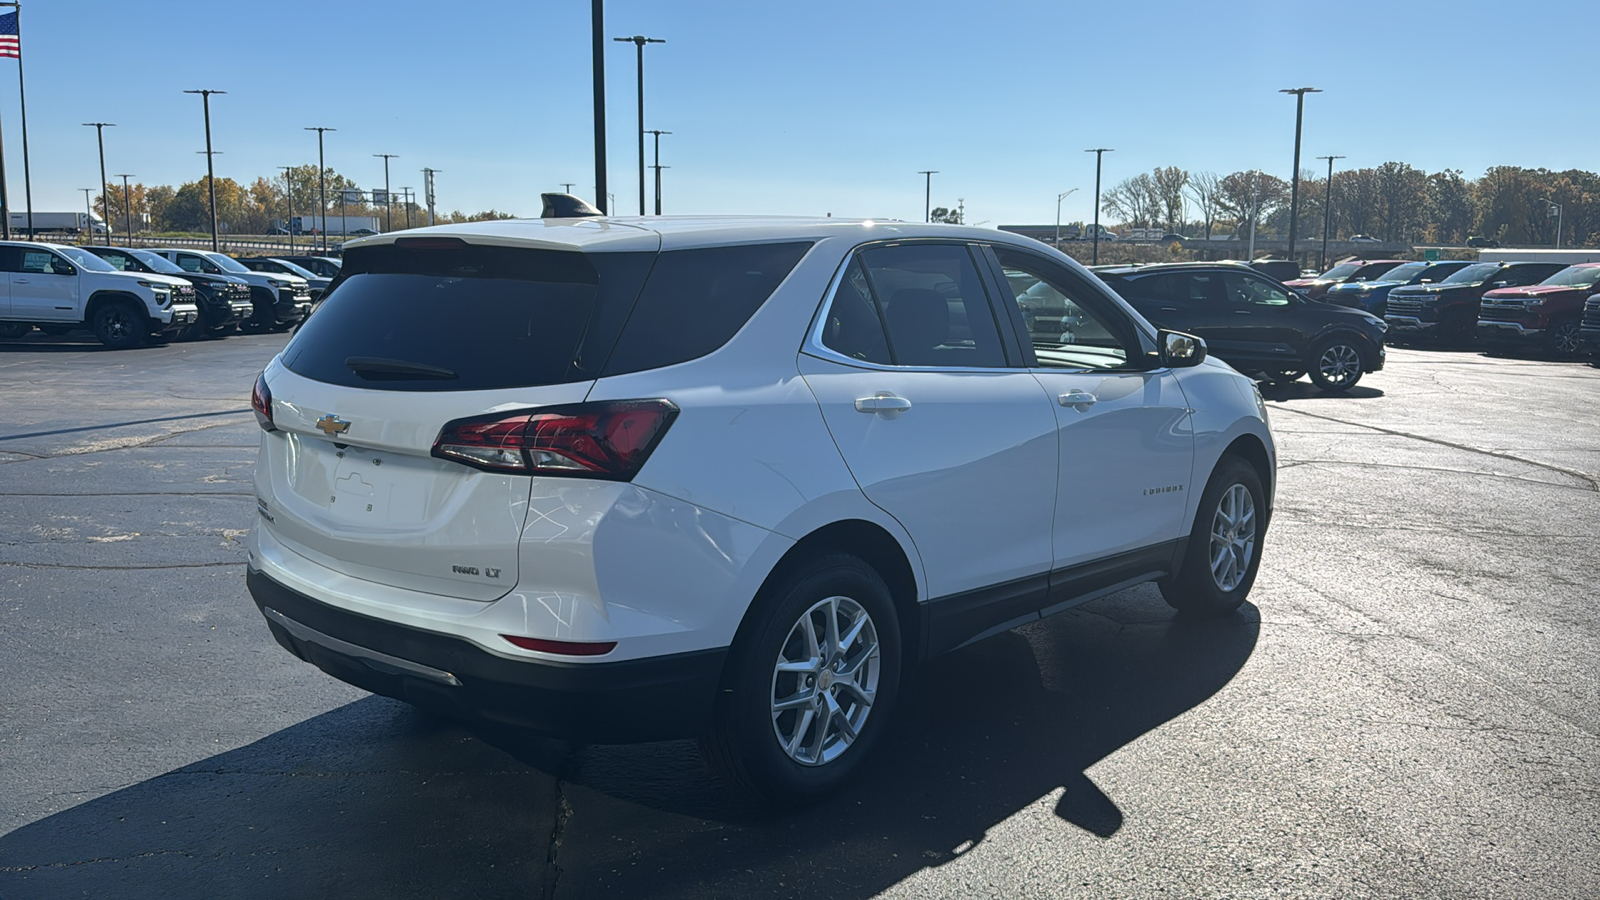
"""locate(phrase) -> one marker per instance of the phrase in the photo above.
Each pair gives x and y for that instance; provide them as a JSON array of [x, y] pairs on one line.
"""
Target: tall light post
[[288, 196], [88, 217], [1060, 197], [388, 201], [1557, 207], [427, 190], [105, 210], [1099, 154], [405, 194], [658, 133], [597, 30], [1294, 180], [211, 172], [927, 194], [639, 41], [127, 211], [322, 188], [1327, 213]]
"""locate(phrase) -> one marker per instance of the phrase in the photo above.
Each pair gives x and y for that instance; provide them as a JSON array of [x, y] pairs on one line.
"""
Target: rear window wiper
[[374, 368]]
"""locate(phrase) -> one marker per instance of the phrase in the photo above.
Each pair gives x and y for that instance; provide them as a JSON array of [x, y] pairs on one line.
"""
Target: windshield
[[294, 269], [227, 263], [1575, 276], [1402, 273], [1473, 274], [1341, 271], [86, 259], [155, 261]]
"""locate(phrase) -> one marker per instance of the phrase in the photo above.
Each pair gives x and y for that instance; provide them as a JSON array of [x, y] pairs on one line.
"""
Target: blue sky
[[797, 108]]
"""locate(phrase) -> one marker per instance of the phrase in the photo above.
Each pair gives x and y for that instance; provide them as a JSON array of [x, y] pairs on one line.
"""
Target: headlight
[[1534, 304]]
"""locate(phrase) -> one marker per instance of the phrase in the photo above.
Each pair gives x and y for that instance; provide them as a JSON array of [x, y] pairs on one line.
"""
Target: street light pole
[[288, 194], [105, 210], [1294, 181], [405, 192], [322, 188], [388, 201], [1557, 207], [597, 30], [127, 211], [927, 194], [1060, 197], [658, 133], [88, 216], [427, 190], [1327, 213], [1099, 154], [211, 172], [639, 41]]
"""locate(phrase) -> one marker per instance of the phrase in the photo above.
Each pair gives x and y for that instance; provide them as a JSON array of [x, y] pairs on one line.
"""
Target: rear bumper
[[655, 698]]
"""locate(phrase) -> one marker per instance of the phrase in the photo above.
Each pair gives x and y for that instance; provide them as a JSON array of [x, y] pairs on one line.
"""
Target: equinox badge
[[331, 424]]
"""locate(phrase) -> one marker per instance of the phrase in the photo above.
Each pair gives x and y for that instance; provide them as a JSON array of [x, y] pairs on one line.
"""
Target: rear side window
[[696, 300], [469, 318]]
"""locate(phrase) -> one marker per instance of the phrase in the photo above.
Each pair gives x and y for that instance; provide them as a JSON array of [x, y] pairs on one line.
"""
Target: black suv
[[1589, 333], [1449, 309], [1254, 323], [224, 301], [320, 265]]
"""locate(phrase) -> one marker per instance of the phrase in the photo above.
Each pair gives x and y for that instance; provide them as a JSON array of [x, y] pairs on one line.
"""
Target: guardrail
[[303, 245]]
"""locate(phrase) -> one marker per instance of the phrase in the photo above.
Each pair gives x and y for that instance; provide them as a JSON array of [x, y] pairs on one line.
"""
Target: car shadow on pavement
[[1305, 390], [374, 799]]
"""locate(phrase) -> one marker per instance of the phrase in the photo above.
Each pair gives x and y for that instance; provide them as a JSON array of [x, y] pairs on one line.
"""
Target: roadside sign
[[1431, 254]]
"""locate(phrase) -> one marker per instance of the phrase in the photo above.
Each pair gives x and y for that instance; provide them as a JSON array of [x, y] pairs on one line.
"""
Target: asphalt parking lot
[[1409, 706]]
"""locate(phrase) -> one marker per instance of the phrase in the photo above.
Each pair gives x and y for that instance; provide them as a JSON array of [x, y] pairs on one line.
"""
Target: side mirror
[[1179, 350], [62, 267]]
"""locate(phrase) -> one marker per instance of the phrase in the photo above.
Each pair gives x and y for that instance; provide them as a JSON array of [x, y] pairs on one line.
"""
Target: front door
[[38, 293], [1263, 313], [940, 428]]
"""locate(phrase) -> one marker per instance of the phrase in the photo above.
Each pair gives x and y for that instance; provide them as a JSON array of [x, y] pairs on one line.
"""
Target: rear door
[[1264, 322], [411, 341], [941, 428]]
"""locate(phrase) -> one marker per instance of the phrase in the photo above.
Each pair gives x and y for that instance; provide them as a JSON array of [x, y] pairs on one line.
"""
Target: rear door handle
[[883, 403], [1241, 312], [1079, 400], [20, 281]]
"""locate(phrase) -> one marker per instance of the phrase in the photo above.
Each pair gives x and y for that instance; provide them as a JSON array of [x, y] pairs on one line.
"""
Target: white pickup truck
[[61, 289]]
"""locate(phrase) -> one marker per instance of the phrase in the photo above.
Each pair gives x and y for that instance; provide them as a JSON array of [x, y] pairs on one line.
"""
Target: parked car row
[[127, 296]]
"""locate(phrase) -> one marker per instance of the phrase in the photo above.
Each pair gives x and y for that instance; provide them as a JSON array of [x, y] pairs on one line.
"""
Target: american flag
[[10, 41]]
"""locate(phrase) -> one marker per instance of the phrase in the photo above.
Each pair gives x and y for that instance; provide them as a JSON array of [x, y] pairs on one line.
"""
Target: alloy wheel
[[825, 681], [1340, 364], [1233, 537], [1565, 338]]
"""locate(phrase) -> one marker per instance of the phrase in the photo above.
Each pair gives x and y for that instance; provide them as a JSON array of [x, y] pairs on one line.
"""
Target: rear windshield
[[1343, 270], [485, 318], [1403, 273]]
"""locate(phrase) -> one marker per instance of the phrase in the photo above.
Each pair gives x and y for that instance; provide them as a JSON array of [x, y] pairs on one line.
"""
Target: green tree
[[944, 215], [1450, 210]]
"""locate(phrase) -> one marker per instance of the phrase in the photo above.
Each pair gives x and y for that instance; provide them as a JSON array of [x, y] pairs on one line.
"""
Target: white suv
[[632, 479], [60, 289]]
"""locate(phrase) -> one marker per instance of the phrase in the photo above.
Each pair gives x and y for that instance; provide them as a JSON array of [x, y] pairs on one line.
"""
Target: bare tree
[[1132, 200], [1249, 196], [1168, 184], [1203, 188]]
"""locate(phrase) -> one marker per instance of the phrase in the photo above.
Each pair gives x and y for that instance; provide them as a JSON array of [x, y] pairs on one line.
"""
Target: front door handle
[[1241, 312], [20, 281], [884, 404], [1078, 400]]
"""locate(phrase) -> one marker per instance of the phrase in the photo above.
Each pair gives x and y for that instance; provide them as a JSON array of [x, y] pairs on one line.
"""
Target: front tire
[[1566, 338], [120, 326], [1224, 551], [1336, 364], [811, 683]]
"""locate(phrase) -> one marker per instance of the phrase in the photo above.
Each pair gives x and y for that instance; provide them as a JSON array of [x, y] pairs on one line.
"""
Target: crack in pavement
[[136, 445], [1591, 480], [1380, 465]]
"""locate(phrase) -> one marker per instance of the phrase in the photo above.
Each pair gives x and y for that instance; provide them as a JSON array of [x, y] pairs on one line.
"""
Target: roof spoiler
[[566, 206]]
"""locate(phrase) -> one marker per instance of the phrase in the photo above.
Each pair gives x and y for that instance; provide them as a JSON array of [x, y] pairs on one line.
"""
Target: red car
[[1349, 270], [1548, 313]]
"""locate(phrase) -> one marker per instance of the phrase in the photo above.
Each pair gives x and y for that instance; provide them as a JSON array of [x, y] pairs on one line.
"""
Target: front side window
[[930, 304], [119, 262], [1248, 289], [195, 264], [1069, 325]]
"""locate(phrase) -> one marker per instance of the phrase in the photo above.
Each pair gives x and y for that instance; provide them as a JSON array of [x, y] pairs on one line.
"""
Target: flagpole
[[5, 199], [22, 92]]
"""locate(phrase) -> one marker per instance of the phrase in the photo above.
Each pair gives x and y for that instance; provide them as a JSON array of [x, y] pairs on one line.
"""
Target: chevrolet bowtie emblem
[[331, 424]]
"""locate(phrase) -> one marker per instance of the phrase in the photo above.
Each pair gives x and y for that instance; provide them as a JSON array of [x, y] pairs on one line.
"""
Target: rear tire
[[120, 326], [1224, 551], [11, 331], [796, 688], [1336, 363], [1282, 376]]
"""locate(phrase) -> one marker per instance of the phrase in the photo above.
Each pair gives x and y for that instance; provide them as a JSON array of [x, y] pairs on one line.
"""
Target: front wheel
[[1224, 551], [810, 684], [119, 326], [1336, 364], [1566, 337], [12, 330]]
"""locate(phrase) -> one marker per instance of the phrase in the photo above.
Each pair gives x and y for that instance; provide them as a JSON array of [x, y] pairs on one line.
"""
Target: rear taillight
[[609, 439], [261, 402], [565, 648]]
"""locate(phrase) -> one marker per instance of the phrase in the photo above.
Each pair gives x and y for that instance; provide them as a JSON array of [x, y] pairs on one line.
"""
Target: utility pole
[[658, 133], [1099, 154], [427, 190], [1060, 197], [88, 217], [566, 187], [639, 41], [288, 193], [597, 53], [127, 211], [105, 210], [1327, 213], [1294, 181], [388, 199], [211, 172], [405, 193], [322, 188], [927, 193]]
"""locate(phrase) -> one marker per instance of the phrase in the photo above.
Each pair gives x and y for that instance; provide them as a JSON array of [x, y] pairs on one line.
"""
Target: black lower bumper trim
[[659, 698]]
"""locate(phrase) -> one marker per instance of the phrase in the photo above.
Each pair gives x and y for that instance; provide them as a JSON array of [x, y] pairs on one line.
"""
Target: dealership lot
[[1409, 706]]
